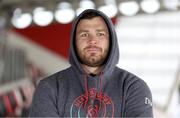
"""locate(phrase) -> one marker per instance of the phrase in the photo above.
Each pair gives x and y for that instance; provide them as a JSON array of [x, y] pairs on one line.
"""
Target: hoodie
[[72, 92]]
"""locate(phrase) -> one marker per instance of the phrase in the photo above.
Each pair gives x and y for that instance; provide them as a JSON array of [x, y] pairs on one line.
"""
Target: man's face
[[92, 41]]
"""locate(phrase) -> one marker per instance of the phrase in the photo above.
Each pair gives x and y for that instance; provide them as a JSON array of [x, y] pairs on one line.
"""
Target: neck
[[91, 70]]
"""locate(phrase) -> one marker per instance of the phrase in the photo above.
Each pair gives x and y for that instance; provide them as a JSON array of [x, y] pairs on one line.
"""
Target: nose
[[92, 39]]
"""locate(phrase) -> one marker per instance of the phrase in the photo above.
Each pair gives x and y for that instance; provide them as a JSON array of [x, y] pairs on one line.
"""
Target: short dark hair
[[89, 15]]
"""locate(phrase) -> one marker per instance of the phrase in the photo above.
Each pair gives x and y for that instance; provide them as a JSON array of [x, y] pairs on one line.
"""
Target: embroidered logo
[[91, 105], [148, 101]]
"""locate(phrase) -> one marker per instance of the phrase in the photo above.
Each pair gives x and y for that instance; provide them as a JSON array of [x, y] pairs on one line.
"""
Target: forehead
[[93, 22]]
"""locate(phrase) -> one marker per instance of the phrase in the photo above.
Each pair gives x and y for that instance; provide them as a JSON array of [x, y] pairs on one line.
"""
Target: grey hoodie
[[114, 92]]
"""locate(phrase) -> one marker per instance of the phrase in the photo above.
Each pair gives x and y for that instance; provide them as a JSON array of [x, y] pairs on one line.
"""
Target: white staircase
[[150, 48]]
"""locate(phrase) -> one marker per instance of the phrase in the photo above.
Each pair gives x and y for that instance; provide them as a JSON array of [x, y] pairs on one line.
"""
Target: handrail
[[174, 87], [14, 84]]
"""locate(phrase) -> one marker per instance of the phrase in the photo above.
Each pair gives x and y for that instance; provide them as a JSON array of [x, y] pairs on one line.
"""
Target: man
[[92, 86]]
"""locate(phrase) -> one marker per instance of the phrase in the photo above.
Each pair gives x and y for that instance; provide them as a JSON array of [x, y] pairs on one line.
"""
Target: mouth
[[93, 49]]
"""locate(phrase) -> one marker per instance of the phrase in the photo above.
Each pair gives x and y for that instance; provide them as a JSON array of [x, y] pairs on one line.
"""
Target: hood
[[113, 56]]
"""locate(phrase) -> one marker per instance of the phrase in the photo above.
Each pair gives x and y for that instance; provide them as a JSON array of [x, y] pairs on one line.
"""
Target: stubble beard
[[92, 59]]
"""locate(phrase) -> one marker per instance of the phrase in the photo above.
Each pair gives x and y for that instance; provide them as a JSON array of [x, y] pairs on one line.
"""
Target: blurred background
[[35, 36]]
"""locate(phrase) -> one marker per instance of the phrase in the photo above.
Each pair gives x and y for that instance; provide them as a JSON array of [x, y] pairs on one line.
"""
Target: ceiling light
[[129, 8], [110, 10], [21, 20], [86, 4], [83, 5], [150, 6], [42, 17], [171, 4], [64, 14]]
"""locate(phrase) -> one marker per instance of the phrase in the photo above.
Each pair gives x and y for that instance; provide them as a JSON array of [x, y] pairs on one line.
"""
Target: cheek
[[105, 45], [79, 45]]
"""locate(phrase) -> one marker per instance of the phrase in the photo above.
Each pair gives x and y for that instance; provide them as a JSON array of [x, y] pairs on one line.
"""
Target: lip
[[92, 50]]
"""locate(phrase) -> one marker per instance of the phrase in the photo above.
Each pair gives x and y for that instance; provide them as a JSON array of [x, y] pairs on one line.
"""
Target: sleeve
[[138, 101], [44, 101]]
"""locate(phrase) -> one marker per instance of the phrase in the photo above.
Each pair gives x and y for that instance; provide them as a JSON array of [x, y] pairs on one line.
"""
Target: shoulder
[[130, 80], [125, 75], [60, 75], [54, 80], [137, 95]]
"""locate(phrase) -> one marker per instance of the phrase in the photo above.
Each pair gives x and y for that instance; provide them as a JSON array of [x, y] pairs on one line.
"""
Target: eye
[[84, 35], [100, 34]]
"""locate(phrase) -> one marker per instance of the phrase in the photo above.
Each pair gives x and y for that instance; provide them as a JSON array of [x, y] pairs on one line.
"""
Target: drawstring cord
[[101, 77], [86, 90], [86, 87]]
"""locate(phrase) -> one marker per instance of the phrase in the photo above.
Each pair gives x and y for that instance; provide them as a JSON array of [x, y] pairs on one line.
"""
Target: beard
[[93, 59]]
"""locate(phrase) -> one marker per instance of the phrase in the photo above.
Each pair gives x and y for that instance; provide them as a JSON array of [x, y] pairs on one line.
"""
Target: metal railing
[[175, 86]]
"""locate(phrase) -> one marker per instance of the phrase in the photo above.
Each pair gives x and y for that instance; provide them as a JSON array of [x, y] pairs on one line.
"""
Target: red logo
[[93, 105]]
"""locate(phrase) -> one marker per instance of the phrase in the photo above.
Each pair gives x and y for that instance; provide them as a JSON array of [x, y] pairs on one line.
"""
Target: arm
[[44, 101], [138, 101]]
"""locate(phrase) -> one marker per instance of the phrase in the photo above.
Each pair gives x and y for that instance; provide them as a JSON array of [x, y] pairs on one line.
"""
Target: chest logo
[[94, 105]]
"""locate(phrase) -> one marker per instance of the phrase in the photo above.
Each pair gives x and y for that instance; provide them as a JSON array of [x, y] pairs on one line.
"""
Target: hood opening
[[113, 53], [91, 15]]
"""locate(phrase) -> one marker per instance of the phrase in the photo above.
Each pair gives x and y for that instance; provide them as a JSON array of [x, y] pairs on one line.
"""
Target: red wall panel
[[55, 37]]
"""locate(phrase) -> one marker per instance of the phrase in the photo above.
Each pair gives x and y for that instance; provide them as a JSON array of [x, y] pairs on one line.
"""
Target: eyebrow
[[98, 30], [102, 30], [80, 31]]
